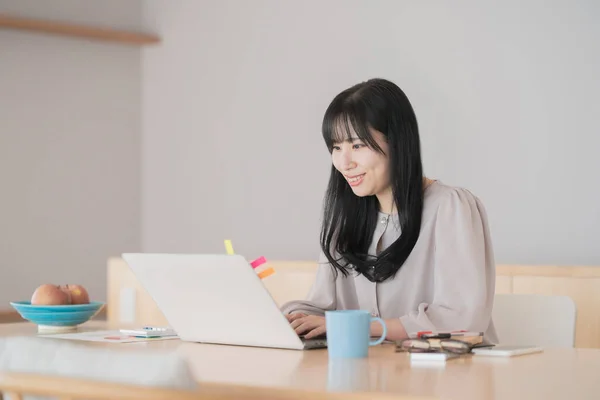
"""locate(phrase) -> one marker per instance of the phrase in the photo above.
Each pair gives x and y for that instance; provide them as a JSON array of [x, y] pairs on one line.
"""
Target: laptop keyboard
[[317, 342], [320, 337]]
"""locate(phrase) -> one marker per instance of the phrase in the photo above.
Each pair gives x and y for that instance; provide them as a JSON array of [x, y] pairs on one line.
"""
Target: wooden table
[[553, 374]]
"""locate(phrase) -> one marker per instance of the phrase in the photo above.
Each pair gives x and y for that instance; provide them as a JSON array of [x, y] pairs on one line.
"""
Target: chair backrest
[[25, 386], [56, 358], [531, 319]]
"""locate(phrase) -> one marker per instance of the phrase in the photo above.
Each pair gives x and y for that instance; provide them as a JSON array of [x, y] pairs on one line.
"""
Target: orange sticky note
[[266, 272]]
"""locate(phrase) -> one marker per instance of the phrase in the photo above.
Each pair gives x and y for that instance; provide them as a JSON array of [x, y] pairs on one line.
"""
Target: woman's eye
[[336, 148], [357, 146]]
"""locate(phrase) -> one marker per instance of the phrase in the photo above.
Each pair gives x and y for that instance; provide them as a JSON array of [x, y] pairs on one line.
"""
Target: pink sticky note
[[258, 262]]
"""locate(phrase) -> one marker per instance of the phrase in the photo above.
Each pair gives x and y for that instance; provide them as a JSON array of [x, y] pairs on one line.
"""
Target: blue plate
[[67, 315]]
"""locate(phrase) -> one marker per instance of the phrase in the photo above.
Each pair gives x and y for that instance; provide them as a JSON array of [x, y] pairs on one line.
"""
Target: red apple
[[51, 295], [79, 294]]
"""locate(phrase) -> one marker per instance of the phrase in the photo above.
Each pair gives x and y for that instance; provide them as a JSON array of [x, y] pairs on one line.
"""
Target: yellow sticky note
[[229, 247]]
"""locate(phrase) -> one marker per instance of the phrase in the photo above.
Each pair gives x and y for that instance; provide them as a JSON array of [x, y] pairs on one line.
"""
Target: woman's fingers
[[316, 332], [308, 323], [295, 316], [295, 324], [302, 320], [298, 321], [304, 327]]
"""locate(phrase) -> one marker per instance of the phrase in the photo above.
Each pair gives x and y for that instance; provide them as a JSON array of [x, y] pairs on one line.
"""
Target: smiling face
[[365, 169]]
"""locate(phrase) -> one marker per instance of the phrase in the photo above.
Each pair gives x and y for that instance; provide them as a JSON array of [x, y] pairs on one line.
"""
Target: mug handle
[[383, 335]]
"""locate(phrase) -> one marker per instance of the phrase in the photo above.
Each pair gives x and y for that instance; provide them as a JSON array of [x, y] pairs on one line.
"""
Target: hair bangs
[[347, 125]]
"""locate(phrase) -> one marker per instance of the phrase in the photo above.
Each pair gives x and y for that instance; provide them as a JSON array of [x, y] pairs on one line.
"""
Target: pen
[[436, 336], [464, 333], [423, 334]]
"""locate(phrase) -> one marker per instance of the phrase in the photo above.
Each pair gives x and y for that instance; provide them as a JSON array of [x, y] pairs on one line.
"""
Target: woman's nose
[[347, 161]]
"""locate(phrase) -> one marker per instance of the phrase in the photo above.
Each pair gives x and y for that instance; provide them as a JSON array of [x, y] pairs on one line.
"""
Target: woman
[[411, 250]]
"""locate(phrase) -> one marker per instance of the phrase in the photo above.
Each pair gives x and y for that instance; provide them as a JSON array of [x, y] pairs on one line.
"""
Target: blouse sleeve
[[321, 296], [464, 272]]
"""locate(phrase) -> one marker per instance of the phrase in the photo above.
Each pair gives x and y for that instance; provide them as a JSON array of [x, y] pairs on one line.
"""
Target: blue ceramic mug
[[348, 333]]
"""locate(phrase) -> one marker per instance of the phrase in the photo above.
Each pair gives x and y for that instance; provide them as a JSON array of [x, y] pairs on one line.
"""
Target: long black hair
[[349, 221]]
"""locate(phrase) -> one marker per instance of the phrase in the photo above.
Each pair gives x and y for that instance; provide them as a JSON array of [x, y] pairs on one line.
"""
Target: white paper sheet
[[104, 336]]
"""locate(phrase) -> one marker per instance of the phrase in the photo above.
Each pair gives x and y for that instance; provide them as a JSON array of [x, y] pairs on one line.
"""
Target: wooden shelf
[[78, 31]]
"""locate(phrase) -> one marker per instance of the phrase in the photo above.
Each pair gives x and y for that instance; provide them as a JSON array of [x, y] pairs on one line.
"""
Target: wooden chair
[[19, 385], [533, 319], [16, 386]]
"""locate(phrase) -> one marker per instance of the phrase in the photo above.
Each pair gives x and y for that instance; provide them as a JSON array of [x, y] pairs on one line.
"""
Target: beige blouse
[[447, 282]]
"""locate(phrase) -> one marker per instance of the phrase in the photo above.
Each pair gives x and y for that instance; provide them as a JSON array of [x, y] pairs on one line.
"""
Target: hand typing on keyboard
[[307, 326]]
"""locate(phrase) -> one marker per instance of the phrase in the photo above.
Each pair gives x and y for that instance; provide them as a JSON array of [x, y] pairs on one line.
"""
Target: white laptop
[[215, 298]]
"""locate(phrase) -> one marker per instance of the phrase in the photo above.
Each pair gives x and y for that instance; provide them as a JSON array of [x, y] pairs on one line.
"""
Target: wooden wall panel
[[293, 279], [122, 282], [503, 284]]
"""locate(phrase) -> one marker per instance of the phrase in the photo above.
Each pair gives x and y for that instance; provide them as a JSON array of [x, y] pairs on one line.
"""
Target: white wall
[[506, 97], [69, 149]]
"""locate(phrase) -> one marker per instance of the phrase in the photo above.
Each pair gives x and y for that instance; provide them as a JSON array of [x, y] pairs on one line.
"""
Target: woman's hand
[[292, 317], [310, 325]]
